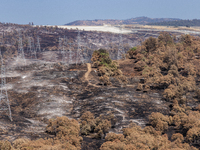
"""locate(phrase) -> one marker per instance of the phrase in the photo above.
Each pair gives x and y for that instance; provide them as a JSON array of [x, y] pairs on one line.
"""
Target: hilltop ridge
[[137, 20]]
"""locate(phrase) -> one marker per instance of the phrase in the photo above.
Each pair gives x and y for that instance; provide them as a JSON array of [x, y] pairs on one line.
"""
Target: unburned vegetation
[[106, 67]]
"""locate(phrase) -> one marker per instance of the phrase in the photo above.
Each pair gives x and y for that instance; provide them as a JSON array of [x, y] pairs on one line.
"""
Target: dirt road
[[87, 74]]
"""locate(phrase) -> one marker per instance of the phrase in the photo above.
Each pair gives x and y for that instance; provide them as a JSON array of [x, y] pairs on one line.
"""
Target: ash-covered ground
[[41, 90]]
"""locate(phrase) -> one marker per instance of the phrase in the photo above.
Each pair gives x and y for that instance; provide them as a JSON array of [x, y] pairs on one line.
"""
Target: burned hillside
[[147, 100]]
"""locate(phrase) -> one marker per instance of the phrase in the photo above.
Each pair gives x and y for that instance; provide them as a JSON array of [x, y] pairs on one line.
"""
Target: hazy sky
[[52, 12]]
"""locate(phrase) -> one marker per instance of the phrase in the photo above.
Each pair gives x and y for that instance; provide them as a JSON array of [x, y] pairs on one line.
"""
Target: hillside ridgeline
[[138, 20]]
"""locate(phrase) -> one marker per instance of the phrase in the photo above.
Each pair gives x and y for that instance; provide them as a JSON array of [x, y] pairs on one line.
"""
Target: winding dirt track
[[87, 74]]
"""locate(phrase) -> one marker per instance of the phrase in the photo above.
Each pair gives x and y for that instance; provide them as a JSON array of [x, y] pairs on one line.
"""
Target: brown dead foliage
[[104, 80], [185, 120], [150, 44], [99, 126], [18, 142], [135, 138], [159, 121], [88, 123], [66, 133], [193, 135], [132, 53], [5, 145], [177, 136], [139, 66], [171, 67]]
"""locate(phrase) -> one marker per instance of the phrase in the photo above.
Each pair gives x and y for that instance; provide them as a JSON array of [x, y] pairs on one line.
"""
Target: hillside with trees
[[187, 23], [173, 69]]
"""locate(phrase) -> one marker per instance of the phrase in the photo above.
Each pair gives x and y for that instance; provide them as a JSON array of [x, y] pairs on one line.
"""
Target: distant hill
[[187, 23], [138, 20], [146, 20], [95, 22]]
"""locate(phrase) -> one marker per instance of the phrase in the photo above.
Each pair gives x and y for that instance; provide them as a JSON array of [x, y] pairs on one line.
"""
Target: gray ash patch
[[39, 95]]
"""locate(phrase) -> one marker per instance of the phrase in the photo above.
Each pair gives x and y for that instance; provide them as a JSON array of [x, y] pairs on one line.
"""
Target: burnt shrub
[[165, 39], [193, 135], [104, 80], [177, 137], [150, 44], [186, 39], [66, 133], [97, 126], [19, 142], [140, 65], [132, 52], [159, 121], [5, 145], [134, 138], [88, 123], [113, 137], [65, 129]]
